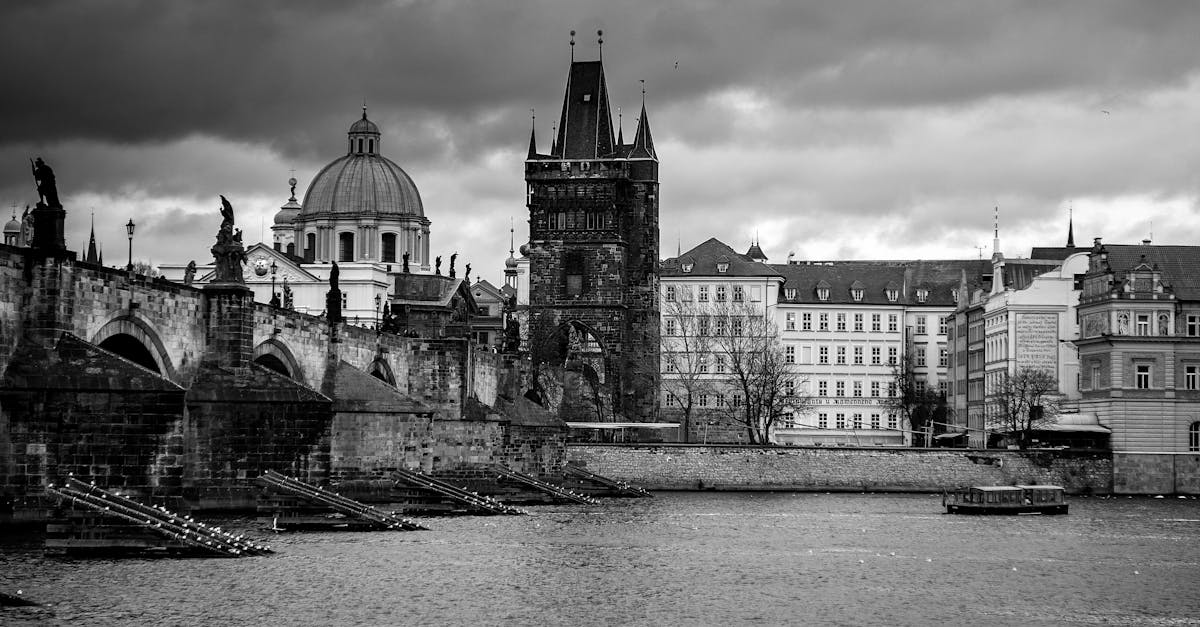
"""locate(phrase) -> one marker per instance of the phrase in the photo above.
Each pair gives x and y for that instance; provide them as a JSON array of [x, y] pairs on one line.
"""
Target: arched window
[[1194, 437], [291, 248], [310, 247], [360, 144], [345, 247], [389, 248], [371, 146]]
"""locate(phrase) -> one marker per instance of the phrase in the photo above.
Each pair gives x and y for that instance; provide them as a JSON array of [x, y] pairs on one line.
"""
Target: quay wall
[[737, 467]]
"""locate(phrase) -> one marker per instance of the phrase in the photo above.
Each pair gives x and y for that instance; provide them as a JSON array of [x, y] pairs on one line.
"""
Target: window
[[789, 387], [922, 295], [876, 323], [702, 325], [858, 322], [1191, 377], [1194, 437], [720, 363], [841, 421], [670, 399], [719, 399], [943, 357], [822, 354], [875, 389], [823, 421], [1096, 382], [310, 247], [686, 267], [1193, 325], [345, 247], [1142, 376], [737, 400], [739, 294], [722, 267], [893, 422], [822, 388], [735, 326], [858, 355], [892, 355], [919, 385], [720, 327], [822, 293], [720, 293], [920, 325], [874, 421], [920, 356], [893, 323], [839, 388], [789, 293], [703, 400], [876, 356], [856, 294], [670, 293], [892, 294], [1143, 324], [858, 389], [841, 321], [702, 296], [388, 249], [857, 421], [841, 355], [789, 354], [575, 269], [823, 322], [954, 296], [702, 364], [943, 324], [806, 321], [790, 321], [671, 368], [669, 327]]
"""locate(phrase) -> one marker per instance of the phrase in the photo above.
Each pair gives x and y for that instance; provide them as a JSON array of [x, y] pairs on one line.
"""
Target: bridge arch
[[380, 369], [275, 355], [135, 339]]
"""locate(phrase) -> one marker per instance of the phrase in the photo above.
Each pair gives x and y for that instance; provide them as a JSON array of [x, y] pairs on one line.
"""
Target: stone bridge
[[181, 392]]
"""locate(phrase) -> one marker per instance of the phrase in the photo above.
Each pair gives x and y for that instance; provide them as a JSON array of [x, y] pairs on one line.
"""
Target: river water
[[677, 559]]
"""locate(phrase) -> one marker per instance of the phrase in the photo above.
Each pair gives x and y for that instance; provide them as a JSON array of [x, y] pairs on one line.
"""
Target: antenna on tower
[[643, 82], [572, 46], [600, 43]]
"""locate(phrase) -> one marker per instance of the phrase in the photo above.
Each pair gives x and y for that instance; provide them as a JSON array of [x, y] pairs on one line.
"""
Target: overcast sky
[[835, 130]]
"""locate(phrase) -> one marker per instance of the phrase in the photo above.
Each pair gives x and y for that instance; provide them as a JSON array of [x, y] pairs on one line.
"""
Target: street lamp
[[129, 229], [378, 312], [274, 269]]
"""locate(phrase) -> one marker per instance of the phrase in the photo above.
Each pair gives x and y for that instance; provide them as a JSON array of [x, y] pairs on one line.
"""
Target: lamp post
[[274, 269], [378, 312], [129, 229]]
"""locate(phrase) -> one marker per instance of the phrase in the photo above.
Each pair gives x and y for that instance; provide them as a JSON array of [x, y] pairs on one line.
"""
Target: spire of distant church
[[620, 128], [996, 254], [1071, 227], [92, 256]]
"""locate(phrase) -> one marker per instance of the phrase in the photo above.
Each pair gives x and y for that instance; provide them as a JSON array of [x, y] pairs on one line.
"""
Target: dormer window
[[587, 97], [822, 293], [789, 293], [722, 266], [954, 295], [922, 295], [686, 266], [892, 292]]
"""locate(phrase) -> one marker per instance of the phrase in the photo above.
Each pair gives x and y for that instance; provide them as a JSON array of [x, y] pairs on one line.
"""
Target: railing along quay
[[336, 502], [183, 530], [474, 502]]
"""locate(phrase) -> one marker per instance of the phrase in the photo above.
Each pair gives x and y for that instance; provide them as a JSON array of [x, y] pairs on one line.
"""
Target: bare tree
[[764, 388], [1022, 402], [910, 399], [687, 356]]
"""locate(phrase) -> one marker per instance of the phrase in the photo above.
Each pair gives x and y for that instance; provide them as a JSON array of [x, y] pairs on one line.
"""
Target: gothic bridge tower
[[593, 269]]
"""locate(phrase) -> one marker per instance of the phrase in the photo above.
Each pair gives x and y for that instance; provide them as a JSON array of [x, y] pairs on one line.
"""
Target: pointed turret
[[585, 127], [1071, 230], [532, 144], [643, 142]]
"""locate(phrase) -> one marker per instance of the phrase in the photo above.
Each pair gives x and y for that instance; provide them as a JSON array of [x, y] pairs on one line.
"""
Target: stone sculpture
[[189, 273], [228, 252], [46, 188]]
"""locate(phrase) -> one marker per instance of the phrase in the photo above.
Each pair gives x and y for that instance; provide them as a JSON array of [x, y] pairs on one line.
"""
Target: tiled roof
[[705, 258], [940, 278], [1019, 273], [1056, 253], [585, 128], [1180, 265]]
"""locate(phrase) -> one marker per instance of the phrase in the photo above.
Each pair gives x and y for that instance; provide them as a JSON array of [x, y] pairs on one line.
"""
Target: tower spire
[[620, 128], [600, 43], [532, 135], [92, 256], [996, 254], [572, 46], [1071, 226]]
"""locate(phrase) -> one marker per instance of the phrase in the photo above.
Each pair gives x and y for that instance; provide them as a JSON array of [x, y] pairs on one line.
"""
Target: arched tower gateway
[[361, 207], [593, 228]]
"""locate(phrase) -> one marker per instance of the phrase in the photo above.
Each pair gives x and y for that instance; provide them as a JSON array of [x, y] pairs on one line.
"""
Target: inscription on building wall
[[1037, 341]]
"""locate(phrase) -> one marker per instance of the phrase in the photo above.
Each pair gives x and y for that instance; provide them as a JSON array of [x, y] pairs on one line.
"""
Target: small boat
[[1018, 499]]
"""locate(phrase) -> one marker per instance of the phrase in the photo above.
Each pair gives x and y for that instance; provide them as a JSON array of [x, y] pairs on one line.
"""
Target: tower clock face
[[261, 267]]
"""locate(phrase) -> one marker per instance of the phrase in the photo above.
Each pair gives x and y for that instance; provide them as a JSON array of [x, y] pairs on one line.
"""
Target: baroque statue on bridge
[[47, 190], [229, 253]]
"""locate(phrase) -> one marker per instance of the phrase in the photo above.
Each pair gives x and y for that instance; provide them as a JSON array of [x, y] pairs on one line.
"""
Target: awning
[[948, 436], [623, 425]]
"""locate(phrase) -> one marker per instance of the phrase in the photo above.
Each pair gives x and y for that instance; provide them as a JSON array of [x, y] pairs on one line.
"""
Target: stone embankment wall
[[733, 467], [1156, 473]]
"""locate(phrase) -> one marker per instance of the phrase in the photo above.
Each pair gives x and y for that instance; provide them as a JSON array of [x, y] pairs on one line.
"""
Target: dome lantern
[[364, 136]]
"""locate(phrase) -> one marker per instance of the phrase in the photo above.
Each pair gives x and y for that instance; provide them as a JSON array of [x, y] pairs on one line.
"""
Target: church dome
[[510, 262], [363, 182], [13, 226]]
